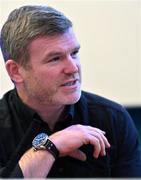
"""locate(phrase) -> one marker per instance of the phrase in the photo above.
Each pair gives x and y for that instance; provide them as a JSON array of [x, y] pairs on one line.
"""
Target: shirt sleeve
[[128, 163], [15, 173]]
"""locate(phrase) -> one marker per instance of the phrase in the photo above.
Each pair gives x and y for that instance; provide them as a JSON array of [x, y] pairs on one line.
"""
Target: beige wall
[[110, 35]]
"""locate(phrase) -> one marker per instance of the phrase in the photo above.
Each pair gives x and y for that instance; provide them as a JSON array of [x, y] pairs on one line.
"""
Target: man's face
[[55, 76]]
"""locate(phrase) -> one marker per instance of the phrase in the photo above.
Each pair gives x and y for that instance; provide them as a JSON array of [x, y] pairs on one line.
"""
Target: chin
[[72, 99]]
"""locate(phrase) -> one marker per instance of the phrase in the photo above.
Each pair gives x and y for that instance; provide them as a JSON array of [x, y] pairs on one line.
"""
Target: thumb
[[77, 154]]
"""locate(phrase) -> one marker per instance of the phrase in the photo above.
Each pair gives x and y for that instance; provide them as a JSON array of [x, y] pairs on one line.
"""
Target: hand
[[70, 139], [38, 164]]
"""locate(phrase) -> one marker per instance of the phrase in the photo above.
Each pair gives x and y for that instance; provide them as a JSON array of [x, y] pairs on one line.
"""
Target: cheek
[[47, 78]]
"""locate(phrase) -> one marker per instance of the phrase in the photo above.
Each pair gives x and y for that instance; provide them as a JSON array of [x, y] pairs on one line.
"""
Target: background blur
[[110, 35]]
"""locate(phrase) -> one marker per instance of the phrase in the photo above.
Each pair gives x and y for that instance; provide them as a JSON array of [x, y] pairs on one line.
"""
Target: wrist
[[36, 163], [42, 142]]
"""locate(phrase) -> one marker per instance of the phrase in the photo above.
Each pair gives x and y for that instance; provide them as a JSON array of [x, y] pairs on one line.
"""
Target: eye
[[74, 54], [54, 59]]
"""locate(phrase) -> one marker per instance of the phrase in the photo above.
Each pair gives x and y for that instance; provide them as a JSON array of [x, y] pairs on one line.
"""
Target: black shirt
[[19, 124]]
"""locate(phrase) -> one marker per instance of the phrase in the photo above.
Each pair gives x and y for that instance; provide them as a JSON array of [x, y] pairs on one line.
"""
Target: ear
[[13, 70]]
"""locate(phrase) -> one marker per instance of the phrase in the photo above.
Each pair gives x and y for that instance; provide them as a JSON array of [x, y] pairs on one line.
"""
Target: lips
[[70, 83]]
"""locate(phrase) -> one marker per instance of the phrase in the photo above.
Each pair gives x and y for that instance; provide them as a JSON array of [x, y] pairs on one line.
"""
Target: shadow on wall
[[135, 113]]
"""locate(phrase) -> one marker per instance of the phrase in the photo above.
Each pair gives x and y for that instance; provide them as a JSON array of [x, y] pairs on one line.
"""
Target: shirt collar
[[69, 111]]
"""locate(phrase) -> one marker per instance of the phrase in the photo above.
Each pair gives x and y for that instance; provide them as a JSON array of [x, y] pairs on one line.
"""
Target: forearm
[[36, 164]]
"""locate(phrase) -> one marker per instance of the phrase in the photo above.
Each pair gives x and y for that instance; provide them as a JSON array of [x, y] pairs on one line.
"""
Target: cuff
[[17, 172]]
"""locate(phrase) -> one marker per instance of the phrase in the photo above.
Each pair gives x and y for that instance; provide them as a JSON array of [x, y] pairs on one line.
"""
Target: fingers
[[98, 140], [102, 141], [79, 135], [99, 133], [99, 147]]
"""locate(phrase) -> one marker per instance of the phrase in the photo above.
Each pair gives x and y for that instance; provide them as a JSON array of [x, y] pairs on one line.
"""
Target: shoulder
[[5, 109], [109, 116], [94, 100], [4, 100], [105, 112]]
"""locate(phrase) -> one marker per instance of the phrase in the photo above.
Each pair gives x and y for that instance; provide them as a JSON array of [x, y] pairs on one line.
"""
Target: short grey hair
[[27, 23]]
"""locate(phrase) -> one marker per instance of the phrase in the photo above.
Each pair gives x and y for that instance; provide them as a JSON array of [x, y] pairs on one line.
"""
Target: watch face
[[39, 140]]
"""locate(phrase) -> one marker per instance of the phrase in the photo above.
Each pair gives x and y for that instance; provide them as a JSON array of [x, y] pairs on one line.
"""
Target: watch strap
[[50, 147]]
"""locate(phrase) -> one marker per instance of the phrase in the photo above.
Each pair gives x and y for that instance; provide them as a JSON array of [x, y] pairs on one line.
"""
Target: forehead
[[65, 42]]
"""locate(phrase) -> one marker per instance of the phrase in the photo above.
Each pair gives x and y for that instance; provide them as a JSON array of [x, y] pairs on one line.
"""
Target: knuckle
[[97, 141], [79, 126]]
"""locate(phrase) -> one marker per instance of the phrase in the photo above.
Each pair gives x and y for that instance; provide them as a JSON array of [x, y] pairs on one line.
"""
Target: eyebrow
[[57, 53]]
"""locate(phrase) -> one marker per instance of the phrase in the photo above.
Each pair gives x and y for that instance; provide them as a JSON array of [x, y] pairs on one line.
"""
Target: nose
[[71, 66]]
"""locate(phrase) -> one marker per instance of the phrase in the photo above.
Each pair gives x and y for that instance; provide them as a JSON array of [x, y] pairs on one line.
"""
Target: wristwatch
[[42, 142]]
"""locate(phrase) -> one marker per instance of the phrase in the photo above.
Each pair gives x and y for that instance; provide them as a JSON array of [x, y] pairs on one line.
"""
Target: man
[[48, 126]]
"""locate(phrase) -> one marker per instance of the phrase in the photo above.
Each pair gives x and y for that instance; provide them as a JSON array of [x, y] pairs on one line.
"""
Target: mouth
[[70, 83]]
